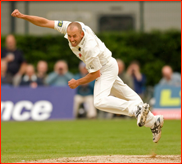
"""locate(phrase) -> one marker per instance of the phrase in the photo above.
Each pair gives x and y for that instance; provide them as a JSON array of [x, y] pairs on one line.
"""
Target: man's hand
[[73, 83], [38, 21], [9, 58], [16, 13], [84, 80]]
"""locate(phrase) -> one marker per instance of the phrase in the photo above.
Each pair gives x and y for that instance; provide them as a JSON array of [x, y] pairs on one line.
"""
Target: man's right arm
[[38, 21]]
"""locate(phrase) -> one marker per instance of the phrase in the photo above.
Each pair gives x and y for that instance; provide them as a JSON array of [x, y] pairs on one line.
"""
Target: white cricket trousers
[[112, 95], [88, 101]]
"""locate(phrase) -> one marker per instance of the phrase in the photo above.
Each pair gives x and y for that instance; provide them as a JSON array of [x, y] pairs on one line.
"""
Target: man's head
[[75, 33], [42, 66], [10, 42], [135, 66], [30, 70], [167, 72], [121, 65], [61, 67]]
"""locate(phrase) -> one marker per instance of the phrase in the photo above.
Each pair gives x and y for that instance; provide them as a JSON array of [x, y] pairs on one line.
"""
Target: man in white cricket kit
[[110, 93]]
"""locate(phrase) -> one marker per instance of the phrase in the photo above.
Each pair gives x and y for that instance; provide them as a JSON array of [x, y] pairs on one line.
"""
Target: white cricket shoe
[[156, 130], [141, 114]]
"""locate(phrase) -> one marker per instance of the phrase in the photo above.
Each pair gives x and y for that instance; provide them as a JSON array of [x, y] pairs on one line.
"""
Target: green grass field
[[54, 139]]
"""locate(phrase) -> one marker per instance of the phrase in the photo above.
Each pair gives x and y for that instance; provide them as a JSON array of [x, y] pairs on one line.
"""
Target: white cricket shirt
[[90, 50]]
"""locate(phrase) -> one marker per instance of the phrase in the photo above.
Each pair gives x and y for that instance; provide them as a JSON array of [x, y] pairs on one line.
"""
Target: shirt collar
[[82, 41]]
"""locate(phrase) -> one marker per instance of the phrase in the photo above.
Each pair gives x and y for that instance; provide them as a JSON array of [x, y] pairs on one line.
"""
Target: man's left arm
[[87, 79]]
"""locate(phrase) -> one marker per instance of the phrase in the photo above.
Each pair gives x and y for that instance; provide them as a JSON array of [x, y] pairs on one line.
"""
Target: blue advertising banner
[[167, 102], [167, 97], [42, 103]]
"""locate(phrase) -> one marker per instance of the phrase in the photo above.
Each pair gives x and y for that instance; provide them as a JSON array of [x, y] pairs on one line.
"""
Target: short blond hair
[[72, 25]]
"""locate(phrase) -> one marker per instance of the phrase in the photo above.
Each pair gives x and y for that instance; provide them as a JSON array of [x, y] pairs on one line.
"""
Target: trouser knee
[[98, 103]]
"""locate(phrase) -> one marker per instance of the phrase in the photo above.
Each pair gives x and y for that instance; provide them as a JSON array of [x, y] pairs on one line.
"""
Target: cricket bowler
[[110, 93]]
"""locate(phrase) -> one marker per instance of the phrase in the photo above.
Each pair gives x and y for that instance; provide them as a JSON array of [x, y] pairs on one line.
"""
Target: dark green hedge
[[152, 50]]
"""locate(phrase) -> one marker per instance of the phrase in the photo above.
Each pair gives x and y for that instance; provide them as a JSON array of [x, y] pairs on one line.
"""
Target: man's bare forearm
[[88, 78], [38, 21]]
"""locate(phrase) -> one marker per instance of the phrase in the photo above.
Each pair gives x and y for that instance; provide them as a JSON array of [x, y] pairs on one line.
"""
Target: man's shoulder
[[3, 49], [89, 42], [52, 74], [162, 81], [3, 52], [18, 51], [176, 75], [69, 75]]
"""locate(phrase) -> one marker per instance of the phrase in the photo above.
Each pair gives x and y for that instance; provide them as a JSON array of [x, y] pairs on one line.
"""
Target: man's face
[[74, 36], [60, 68], [30, 70], [121, 67], [42, 67], [167, 73], [10, 42]]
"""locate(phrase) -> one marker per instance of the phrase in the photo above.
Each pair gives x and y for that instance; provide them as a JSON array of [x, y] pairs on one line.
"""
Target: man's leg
[[91, 111], [102, 90], [155, 123], [122, 91], [125, 100], [77, 102]]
